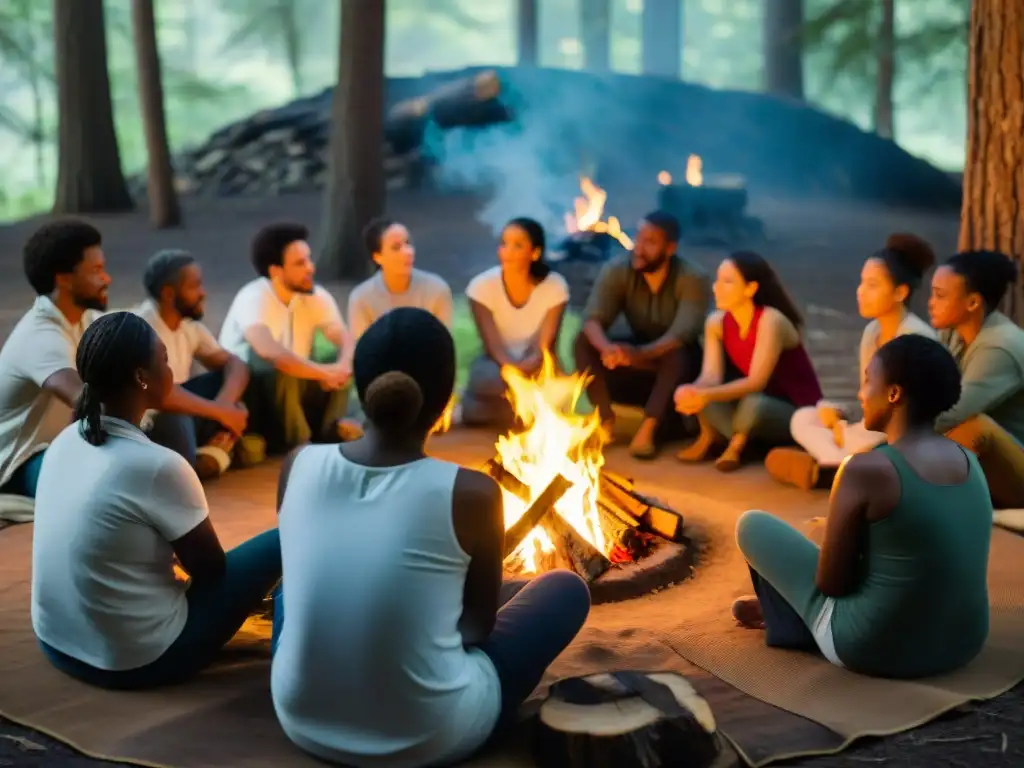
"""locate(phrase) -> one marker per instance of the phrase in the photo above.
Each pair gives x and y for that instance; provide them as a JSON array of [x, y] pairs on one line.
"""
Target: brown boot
[[792, 466], [642, 446], [707, 442], [732, 456]]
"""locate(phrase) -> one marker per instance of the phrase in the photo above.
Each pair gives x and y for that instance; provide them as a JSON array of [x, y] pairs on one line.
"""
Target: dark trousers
[[783, 626], [25, 479], [652, 387], [485, 402], [182, 433], [536, 622], [216, 611], [288, 412]]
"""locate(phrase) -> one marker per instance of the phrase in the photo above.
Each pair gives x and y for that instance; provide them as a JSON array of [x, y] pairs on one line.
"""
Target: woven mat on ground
[[226, 717]]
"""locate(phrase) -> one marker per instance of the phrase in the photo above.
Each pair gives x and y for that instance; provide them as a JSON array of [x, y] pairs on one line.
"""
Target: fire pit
[[564, 510], [709, 211]]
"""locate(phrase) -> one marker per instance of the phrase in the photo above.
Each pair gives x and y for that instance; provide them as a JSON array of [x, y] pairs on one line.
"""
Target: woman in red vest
[[756, 371]]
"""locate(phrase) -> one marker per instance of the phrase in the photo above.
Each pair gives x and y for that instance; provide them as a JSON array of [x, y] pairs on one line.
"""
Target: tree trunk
[[886, 73], [528, 28], [164, 211], [595, 25], [992, 216], [661, 31], [292, 44], [355, 178], [783, 48], [89, 176]]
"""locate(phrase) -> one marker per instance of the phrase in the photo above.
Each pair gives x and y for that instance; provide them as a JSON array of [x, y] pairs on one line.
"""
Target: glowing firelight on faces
[[554, 440], [587, 212]]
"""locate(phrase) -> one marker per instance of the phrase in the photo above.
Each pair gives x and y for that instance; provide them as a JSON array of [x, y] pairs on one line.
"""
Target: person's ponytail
[[88, 412]]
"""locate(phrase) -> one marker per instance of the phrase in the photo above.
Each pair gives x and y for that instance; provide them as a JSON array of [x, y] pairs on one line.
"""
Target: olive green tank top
[[922, 605]]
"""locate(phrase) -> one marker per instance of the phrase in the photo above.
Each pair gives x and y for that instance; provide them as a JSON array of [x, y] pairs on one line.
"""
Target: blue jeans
[[182, 433], [216, 611], [536, 622], [25, 479]]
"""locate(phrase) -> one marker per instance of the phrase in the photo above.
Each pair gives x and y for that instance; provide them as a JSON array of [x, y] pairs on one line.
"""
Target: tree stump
[[625, 719]]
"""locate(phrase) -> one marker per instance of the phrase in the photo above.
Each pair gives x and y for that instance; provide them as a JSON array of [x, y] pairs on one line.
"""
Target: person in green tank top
[[899, 587]]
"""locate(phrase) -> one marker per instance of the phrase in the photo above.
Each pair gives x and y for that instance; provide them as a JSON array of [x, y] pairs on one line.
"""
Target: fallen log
[[544, 503], [468, 101], [654, 515], [575, 553], [625, 720], [506, 479]]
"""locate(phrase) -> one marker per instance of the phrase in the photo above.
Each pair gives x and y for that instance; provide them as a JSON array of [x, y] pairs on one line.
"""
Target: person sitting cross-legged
[[756, 371], [989, 349], [114, 512], [664, 300], [271, 324], [65, 266], [518, 308], [397, 282], [203, 415], [887, 284], [391, 643], [899, 588]]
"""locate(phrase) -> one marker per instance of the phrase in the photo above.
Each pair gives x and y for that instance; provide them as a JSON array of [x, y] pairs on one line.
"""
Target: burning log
[[625, 720], [573, 550], [544, 503], [506, 479], [654, 515]]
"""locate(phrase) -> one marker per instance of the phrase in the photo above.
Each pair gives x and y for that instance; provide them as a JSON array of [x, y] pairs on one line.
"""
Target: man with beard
[[39, 384], [202, 417], [664, 300], [292, 398]]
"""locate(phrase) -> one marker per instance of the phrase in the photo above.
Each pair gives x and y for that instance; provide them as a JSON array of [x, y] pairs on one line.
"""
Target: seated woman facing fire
[[390, 643], [518, 308], [756, 371], [114, 511], [899, 587]]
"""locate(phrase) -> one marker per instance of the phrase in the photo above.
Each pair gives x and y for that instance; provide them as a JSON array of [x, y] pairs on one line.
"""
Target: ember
[[561, 508]]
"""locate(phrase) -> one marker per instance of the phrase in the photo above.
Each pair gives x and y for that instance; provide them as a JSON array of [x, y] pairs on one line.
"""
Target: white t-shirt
[[517, 326], [191, 338], [42, 343], [292, 325], [103, 585]]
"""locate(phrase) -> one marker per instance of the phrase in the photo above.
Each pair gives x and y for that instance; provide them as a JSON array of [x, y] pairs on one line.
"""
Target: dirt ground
[[818, 249]]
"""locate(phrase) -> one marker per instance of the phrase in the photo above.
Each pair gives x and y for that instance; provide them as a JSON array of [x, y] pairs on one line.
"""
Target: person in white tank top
[[391, 646]]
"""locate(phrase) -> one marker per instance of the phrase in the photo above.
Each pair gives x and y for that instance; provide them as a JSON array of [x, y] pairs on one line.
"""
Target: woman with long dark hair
[[887, 284], [518, 307], [899, 587], [756, 372], [394, 641], [113, 514]]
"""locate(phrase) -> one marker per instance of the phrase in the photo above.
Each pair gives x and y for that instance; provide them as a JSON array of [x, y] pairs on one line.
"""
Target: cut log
[[625, 720], [614, 495], [613, 525], [575, 553], [667, 523], [654, 515], [532, 516], [506, 479]]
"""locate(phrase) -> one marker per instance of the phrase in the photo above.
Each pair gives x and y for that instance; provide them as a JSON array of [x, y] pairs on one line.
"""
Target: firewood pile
[[634, 522], [284, 150]]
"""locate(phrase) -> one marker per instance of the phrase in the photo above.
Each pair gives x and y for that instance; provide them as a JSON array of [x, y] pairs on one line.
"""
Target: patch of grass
[[468, 344]]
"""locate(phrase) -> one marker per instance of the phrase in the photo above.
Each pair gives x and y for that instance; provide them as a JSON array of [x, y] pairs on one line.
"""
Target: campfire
[[694, 173], [587, 212], [562, 508]]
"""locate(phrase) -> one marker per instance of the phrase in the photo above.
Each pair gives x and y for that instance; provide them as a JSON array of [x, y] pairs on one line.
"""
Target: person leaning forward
[[664, 300]]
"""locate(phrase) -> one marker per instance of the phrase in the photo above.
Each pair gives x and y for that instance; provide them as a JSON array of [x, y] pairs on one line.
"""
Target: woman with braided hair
[[114, 511], [391, 644]]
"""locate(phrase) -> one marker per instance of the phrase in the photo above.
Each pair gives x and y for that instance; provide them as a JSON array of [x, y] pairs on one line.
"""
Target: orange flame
[[587, 212], [554, 440], [695, 171]]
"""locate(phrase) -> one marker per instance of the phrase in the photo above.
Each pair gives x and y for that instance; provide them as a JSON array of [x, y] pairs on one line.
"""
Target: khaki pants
[[1001, 458]]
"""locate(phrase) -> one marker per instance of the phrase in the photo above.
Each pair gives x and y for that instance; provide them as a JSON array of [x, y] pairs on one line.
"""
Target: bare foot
[[643, 446], [732, 456], [747, 611]]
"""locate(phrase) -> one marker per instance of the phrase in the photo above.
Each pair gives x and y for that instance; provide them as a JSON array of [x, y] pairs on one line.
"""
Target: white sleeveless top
[[370, 669]]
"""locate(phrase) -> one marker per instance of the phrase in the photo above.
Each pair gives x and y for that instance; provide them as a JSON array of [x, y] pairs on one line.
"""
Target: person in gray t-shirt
[[397, 282]]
